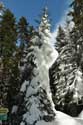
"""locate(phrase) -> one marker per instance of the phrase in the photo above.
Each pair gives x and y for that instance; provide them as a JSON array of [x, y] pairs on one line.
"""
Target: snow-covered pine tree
[[8, 62], [63, 74], [60, 69], [35, 88]]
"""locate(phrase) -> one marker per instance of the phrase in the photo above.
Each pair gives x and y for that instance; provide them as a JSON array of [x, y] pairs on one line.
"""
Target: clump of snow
[[14, 109], [24, 86]]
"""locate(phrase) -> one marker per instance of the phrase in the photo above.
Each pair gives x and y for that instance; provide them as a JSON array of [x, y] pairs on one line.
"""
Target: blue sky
[[31, 9]]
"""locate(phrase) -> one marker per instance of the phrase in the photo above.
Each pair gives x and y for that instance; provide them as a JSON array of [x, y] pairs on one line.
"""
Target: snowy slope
[[62, 119]]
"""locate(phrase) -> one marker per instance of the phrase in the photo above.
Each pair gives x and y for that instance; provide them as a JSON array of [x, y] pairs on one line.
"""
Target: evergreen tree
[[8, 63], [61, 68], [61, 42], [25, 34], [77, 13], [63, 75], [37, 102], [64, 78], [23, 31]]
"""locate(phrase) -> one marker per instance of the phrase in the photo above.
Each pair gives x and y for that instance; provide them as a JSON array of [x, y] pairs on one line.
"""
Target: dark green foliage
[[77, 13], [8, 34], [61, 41], [11, 55], [23, 32], [9, 72]]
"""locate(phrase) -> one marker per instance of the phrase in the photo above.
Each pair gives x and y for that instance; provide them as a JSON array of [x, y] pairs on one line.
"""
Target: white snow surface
[[61, 119]]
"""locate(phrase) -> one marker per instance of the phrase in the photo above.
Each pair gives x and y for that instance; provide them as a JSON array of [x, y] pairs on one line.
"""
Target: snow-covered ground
[[62, 119]]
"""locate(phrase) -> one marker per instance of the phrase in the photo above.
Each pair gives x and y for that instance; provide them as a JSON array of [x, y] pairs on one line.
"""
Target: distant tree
[[61, 41], [23, 32]]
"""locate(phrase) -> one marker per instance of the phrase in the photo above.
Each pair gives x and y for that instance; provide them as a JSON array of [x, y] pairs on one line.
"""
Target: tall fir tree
[[60, 69], [9, 73], [35, 88]]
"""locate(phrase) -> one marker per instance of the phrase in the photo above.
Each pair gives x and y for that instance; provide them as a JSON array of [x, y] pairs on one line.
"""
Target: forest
[[41, 79]]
